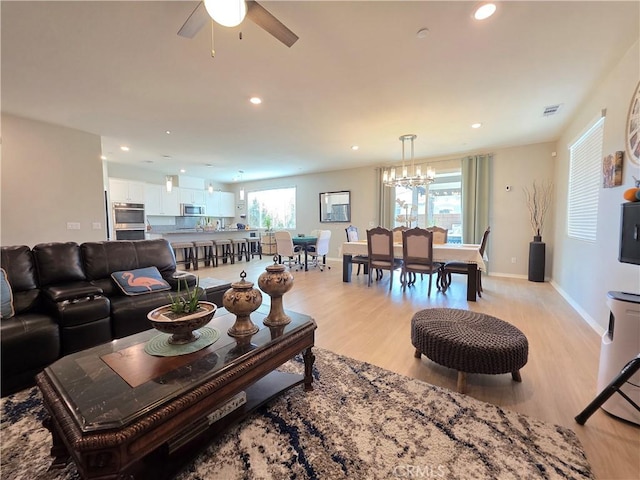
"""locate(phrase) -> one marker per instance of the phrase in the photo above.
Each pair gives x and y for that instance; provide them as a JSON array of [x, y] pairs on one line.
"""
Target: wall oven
[[129, 221]]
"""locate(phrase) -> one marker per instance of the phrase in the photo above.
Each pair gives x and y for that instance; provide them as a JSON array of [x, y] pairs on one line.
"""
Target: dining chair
[[417, 256], [285, 247], [320, 249], [397, 234], [439, 234], [462, 268], [352, 236], [380, 252]]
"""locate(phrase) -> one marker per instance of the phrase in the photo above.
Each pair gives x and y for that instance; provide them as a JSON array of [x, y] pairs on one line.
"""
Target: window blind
[[584, 183]]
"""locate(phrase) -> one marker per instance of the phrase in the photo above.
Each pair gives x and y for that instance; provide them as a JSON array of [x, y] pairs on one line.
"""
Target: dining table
[[305, 241], [442, 252]]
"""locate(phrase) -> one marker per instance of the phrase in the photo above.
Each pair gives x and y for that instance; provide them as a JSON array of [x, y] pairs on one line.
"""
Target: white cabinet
[[126, 191], [160, 202], [220, 204], [192, 196]]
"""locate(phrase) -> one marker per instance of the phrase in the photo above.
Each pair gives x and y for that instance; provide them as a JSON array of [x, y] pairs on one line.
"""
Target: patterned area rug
[[360, 422]]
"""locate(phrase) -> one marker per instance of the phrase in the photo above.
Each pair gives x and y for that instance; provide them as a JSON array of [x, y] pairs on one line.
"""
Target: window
[[274, 208], [584, 183], [438, 203]]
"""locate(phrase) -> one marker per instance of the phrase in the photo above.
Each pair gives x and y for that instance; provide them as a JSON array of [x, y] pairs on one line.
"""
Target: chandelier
[[408, 177]]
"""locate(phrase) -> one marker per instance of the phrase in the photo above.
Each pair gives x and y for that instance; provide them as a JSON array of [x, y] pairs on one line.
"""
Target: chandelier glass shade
[[408, 176]]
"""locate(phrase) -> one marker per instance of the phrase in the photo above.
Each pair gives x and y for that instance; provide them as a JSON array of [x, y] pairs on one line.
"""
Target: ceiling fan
[[256, 13]]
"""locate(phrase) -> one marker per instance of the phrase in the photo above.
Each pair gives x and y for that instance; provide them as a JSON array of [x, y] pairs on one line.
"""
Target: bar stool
[[224, 250], [187, 254], [254, 247], [207, 252], [239, 248]]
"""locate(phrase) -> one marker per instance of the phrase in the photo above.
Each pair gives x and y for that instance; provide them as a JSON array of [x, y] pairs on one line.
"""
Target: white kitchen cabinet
[[160, 202], [220, 204], [126, 191], [192, 196]]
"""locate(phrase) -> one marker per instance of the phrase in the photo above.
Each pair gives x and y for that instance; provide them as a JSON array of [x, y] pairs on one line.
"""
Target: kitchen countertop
[[193, 230]]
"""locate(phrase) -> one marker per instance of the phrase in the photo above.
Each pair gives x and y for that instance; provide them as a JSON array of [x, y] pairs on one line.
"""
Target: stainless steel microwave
[[190, 210]]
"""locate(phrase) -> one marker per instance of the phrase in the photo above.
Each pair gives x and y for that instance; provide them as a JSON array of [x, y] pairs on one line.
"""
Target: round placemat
[[160, 347]]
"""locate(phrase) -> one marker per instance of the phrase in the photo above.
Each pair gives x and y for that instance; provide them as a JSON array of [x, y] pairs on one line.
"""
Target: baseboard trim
[[585, 316]]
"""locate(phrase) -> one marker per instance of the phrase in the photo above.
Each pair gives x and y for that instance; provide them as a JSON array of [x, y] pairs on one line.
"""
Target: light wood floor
[[372, 324]]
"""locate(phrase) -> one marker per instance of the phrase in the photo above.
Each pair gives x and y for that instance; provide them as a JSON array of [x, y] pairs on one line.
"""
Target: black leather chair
[[352, 236], [461, 268]]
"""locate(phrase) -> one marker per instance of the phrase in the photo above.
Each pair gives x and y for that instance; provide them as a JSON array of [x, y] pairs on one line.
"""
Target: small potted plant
[[184, 315], [182, 305], [267, 222]]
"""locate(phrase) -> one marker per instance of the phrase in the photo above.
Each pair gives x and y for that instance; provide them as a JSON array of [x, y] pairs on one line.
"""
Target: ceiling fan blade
[[198, 19], [261, 17]]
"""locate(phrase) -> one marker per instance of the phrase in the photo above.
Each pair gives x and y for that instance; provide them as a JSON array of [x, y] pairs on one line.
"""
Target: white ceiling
[[358, 75]]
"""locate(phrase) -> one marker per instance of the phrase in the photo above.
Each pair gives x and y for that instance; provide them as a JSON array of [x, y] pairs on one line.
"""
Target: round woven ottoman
[[469, 342]]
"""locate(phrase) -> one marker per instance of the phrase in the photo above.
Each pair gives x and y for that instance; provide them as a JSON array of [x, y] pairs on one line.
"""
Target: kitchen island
[[193, 235], [182, 241]]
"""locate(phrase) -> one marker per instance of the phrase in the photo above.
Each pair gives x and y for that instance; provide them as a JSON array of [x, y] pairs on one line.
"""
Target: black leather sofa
[[65, 300]]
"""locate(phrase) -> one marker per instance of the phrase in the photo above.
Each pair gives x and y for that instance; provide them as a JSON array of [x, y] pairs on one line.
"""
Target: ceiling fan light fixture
[[228, 13], [484, 10]]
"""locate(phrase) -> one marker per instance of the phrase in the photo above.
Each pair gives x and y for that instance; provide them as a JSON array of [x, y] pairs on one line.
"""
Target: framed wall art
[[612, 170], [633, 127]]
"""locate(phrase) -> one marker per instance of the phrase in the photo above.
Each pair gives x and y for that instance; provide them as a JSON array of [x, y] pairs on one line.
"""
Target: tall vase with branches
[[538, 199]]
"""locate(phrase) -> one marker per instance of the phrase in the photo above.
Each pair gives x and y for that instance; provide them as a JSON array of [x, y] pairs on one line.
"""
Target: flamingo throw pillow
[[140, 281]]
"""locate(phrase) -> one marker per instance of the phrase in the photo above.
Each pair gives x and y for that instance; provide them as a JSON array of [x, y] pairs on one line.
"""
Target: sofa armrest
[[71, 291]]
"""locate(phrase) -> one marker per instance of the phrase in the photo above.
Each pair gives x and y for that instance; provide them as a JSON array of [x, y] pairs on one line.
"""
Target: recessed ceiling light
[[182, 170], [422, 33], [255, 100], [103, 157], [124, 148], [484, 11], [168, 132], [476, 125], [355, 147]]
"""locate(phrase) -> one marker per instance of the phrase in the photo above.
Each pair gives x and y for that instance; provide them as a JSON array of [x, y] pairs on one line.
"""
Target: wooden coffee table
[[119, 412]]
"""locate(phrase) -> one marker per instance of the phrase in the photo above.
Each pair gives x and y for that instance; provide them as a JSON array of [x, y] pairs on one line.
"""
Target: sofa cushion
[[29, 341], [101, 259], [140, 281], [18, 262], [6, 297], [58, 263]]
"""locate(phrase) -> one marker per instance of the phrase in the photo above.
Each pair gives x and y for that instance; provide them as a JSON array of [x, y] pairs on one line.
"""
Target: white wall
[[511, 231], [51, 175], [361, 182], [584, 272]]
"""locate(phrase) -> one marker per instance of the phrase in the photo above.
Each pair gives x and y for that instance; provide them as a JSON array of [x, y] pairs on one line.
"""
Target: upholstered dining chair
[[285, 247], [320, 249], [352, 236], [417, 256], [397, 234], [440, 234], [380, 250], [462, 268]]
